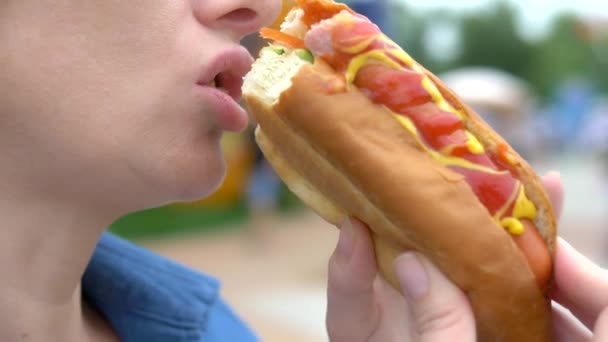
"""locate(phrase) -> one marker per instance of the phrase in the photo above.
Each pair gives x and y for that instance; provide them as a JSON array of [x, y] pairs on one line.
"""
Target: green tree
[[561, 55], [600, 51], [490, 38], [408, 30], [411, 30]]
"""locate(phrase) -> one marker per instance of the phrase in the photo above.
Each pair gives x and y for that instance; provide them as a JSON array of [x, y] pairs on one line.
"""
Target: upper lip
[[226, 71]]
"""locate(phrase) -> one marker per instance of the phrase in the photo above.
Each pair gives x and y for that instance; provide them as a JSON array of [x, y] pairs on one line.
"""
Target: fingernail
[[412, 276], [346, 242]]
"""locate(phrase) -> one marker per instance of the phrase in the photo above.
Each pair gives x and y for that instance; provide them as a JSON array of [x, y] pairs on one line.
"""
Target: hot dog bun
[[345, 156]]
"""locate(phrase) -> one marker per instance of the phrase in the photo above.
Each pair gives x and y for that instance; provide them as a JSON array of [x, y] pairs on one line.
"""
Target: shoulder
[[147, 297]]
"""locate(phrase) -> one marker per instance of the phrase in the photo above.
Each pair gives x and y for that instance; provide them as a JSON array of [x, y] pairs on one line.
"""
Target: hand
[[581, 287], [362, 306]]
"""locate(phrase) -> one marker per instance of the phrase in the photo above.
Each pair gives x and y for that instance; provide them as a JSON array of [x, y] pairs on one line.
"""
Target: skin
[[100, 116], [364, 307]]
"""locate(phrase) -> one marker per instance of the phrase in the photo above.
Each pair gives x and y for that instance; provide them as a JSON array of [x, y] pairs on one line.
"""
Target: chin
[[195, 181], [187, 173]]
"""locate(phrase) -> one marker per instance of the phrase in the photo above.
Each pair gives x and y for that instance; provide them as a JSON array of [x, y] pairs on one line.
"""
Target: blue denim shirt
[[149, 298]]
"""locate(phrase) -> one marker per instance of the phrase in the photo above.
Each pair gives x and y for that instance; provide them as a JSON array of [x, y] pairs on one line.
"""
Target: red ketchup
[[402, 91], [438, 129]]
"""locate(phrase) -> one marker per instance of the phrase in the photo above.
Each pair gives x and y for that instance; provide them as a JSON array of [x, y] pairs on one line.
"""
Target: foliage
[[408, 31], [491, 36], [560, 56]]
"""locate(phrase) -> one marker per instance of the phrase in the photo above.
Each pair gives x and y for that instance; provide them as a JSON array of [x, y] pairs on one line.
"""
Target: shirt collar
[[147, 297]]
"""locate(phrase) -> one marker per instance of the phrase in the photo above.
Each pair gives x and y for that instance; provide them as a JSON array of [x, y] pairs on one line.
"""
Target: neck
[[45, 245]]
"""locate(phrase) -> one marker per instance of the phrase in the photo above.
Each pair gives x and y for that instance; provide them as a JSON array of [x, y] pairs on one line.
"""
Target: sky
[[536, 14]]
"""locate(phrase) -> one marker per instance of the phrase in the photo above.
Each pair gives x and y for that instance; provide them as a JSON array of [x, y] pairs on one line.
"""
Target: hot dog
[[356, 127]]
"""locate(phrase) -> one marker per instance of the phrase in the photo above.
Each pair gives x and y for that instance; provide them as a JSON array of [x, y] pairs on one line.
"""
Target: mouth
[[227, 83], [226, 70]]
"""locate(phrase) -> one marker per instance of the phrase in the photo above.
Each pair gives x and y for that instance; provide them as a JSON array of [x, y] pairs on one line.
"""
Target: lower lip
[[231, 116]]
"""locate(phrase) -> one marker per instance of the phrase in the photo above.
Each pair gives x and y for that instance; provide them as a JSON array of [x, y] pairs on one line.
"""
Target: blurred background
[[535, 70]]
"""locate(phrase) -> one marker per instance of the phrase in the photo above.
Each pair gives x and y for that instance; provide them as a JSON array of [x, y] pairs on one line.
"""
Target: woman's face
[[115, 99]]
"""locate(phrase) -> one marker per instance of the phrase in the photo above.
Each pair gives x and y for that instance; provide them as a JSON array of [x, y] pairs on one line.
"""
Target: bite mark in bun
[[355, 126]]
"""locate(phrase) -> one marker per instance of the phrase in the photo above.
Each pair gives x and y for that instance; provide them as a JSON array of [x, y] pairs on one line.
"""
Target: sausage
[[532, 244]]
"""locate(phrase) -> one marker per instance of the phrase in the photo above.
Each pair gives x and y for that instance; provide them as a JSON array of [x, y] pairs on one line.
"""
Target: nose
[[236, 17]]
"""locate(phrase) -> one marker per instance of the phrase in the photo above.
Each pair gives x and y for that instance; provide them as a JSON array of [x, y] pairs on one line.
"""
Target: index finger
[[580, 285], [553, 185]]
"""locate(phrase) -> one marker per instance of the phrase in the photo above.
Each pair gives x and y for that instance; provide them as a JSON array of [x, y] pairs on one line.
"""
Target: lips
[[219, 87], [226, 70]]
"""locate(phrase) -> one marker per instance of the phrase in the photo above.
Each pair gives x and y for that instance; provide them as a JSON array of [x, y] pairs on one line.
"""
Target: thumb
[[439, 310], [352, 309], [600, 333]]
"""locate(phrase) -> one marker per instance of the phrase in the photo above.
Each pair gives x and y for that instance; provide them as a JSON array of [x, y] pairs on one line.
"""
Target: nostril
[[241, 15]]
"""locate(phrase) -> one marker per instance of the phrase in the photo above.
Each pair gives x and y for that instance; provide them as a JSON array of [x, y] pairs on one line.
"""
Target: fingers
[[352, 310], [439, 310], [566, 328], [600, 332], [581, 285], [553, 185]]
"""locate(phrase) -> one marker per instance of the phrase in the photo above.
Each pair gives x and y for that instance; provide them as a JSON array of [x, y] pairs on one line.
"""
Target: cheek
[[121, 94]]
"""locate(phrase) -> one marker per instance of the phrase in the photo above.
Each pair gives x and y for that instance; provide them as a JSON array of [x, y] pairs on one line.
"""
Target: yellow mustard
[[361, 60], [512, 225], [444, 159], [357, 48], [523, 207], [438, 99], [473, 144]]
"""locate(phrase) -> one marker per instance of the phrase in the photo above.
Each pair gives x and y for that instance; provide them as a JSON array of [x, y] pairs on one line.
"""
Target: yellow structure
[[239, 155]]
